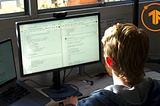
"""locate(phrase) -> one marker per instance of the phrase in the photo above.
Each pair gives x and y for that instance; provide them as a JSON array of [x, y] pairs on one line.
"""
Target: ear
[[109, 61]]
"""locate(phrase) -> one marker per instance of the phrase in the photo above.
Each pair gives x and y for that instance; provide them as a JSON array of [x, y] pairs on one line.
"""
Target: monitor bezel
[[53, 19]]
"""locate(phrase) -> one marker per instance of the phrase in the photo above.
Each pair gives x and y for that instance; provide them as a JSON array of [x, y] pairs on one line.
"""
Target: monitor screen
[[58, 43], [7, 71]]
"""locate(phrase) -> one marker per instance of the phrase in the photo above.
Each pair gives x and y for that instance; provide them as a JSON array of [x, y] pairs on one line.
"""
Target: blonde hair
[[127, 46]]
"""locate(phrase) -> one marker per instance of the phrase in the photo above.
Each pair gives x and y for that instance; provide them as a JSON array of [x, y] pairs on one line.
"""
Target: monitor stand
[[60, 91]]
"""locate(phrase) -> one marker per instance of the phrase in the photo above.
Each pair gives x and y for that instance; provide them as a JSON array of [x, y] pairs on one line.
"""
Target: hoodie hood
[[136, 94]]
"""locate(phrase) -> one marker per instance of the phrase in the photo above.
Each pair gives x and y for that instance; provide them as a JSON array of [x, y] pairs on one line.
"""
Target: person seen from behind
[[125, 50]]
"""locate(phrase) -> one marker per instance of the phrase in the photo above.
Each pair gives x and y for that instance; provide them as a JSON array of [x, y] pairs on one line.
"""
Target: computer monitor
[[54, 44], [8, 70]]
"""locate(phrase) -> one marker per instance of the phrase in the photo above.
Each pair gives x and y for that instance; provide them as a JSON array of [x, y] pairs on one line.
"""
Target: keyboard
[[12, 94], [61, 103]]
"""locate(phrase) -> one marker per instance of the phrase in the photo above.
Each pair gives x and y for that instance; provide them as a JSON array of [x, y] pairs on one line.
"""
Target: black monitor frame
[[55, 71]]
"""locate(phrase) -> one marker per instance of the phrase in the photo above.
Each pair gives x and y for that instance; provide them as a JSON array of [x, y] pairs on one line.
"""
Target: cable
[[64, 75], [85, 81], [69, 73], [66, 90], [64, 78], [38, 83], [34, 82], [75, 87], [97, 75], [104, 67], [88, 75]]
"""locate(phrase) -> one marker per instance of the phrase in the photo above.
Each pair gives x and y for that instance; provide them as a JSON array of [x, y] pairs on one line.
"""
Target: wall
[[154, 50], [7, 30]]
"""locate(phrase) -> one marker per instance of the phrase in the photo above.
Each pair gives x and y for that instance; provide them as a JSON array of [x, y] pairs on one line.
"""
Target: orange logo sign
[[154, 14]]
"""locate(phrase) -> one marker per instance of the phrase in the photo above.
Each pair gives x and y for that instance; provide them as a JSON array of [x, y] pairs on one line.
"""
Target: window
[[11, 6], [29, 7], [46, 4]]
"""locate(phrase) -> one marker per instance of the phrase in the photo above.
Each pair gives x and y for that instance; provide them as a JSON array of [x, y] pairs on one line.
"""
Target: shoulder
[[153, 92], [158, 81], [101, 98], [154, 81]]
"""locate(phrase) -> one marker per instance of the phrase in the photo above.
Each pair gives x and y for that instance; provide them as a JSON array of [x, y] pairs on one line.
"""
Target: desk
[[86, 89]]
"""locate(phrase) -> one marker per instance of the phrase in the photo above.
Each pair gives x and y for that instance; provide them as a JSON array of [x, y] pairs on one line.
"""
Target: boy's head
[[125, 50]]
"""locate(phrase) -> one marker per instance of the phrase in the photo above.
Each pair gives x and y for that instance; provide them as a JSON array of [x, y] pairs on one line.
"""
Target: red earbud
[[109, 61]]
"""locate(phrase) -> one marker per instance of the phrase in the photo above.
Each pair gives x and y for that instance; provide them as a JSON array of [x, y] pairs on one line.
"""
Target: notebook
[[8, 78]]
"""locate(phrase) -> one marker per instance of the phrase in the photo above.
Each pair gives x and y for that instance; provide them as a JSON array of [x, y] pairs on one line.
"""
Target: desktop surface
[[99, 83]]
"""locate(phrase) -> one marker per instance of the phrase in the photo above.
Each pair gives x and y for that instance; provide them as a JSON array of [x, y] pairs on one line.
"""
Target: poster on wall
[[106, 23]]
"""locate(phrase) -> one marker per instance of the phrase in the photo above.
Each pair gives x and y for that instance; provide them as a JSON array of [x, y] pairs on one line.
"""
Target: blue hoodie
[[146, 93]]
